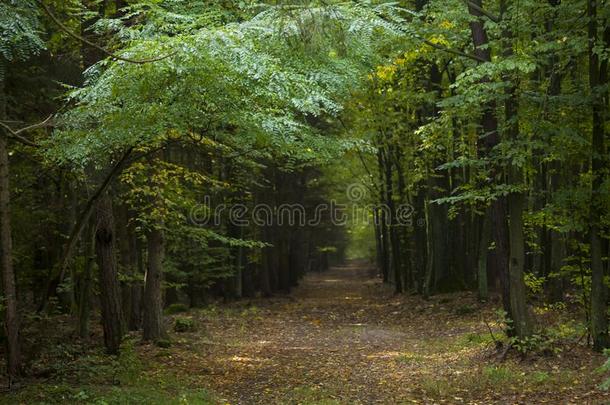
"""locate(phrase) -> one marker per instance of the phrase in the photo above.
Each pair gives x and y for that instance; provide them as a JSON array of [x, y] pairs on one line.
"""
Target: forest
[[304, 201]]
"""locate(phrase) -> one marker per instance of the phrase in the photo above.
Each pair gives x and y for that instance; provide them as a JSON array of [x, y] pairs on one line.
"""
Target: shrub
[[176, 308], [605, 385], [164, 343], [184, 325]]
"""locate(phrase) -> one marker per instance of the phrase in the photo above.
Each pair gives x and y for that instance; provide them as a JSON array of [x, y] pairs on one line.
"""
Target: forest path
[[329, 339], [342, 337]]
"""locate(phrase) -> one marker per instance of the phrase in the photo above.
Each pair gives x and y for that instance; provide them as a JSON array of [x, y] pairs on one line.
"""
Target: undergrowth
[[96, 378]]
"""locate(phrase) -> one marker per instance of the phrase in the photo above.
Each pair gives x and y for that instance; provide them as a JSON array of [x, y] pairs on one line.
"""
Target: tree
[[110, 293], [20, 40], [598, 77]]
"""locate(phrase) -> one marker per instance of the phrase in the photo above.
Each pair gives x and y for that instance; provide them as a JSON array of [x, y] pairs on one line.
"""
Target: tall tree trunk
[[110, 290], [597, 78], [11, 315], [516, 200], [383, 222], [137, 287], [152, 325], [283, 255], [429, 268], [394, 237], [407, 266], [84, 298], [297, 255], [489, 124], [519, 312], [419, 241], [125, 265], [239, 264], [378, 243], [483, 254], [441, 278], [265, 267], [557, 243]]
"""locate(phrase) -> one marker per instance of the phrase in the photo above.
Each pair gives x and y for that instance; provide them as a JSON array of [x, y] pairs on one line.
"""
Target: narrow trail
[[326, 338], [343, 337]]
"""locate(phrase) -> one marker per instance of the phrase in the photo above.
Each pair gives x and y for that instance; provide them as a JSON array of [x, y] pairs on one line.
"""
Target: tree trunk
[[519, 311], [429, 268], [153, 300], [11, 315], [297, 255], [597, 78], [394, 237], [557, 243], [84, 298], [419, 241], [378, 245], [404, 239], [517, 289], [518, 294], [110, 290], [490, 129], [137, 287], [383, 222], [483, 254]]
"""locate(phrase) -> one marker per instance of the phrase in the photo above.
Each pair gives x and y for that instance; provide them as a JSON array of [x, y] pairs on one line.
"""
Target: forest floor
[[341, 337]]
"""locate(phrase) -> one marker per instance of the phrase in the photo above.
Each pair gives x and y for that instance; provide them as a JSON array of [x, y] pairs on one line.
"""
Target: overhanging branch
[[484, 12], [453, 51], [65, 29], [70, 245], [16, 134]]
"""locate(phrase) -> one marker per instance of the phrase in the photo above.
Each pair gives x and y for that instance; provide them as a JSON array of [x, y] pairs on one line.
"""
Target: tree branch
[[484, 12], [452, 51], [16, 134], [94, 45], [445, 49], [58, 274]]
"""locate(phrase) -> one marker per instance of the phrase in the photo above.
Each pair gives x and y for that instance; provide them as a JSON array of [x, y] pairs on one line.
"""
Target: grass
[[505, 378], [63, 393], [411, 358], [312, 395], [466, 375], [99, 379], [474, 339], [456, 344]]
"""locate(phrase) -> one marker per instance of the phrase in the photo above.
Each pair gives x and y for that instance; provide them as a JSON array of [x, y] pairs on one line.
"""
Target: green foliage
[[184, 325], [243, 81], [92, 395], [19, 32], [498, 375], [95, 378], [534, 284], [536, 343], [605, 368], [176, 308], [164, 343]]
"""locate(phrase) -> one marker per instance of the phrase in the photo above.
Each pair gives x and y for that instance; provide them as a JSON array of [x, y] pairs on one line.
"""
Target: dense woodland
[[466, 141]]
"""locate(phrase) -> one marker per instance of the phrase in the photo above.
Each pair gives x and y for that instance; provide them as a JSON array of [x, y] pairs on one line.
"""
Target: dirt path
[[343, 337], [325, 340]]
